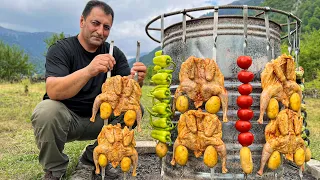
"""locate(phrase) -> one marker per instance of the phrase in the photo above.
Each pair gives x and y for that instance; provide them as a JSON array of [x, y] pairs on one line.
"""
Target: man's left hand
[[141, 69]]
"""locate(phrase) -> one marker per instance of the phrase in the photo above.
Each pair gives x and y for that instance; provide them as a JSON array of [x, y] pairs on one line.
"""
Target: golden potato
[[295, 102], [308, 154], [125, 164], [161, 149], [182, 104], [299, 157], [103, 161], [181, 155], [210, 157], [273, 108], [130, 117], [105, 110], [274, 160], [246, 160], [213, 105]]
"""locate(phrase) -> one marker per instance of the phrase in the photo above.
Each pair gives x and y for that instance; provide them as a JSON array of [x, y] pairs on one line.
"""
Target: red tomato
[[244, 62], [243, 126], [245, 76], [244, 101], [245, 89], [245, 138], [245, 114]]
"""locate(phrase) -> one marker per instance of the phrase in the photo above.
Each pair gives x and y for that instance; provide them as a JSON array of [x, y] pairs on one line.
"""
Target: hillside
[[236, 11], [146, 59], [32, 43]]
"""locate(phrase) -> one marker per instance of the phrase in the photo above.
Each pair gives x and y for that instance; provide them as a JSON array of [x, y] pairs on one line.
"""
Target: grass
[[313, 120], [18, 151]]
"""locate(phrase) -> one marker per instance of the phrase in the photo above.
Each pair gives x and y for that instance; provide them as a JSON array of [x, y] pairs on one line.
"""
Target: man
[[76, 68]]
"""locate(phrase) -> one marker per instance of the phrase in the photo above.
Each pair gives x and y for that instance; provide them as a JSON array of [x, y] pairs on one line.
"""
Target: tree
[[53, 39], [14, 63], [310, 54]]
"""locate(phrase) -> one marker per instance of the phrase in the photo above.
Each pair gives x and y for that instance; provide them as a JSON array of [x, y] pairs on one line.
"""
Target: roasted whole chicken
[[197, 130], [123, 94], [278, 80], [283, 134], [201, 79], [116, 143]]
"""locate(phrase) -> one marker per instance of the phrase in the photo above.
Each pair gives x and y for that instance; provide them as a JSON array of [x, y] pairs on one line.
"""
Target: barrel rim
[[224, 16], [263, 9]]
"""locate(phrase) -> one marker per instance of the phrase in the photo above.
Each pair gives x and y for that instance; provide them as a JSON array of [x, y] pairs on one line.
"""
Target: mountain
[[141, 55], [236, 11], [31, 43], [146, 59]]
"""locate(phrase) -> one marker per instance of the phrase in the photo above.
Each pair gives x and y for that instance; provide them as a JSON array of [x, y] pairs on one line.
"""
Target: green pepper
[[161, 108], [162, 136], [163, 61], [160, 92], [167, 101], [156, 68], [162, 78], [169, 71], [158, 53], [162, 123], [166, 109]]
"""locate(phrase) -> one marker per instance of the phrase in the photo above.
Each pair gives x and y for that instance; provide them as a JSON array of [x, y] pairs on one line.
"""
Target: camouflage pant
[[54, 125]]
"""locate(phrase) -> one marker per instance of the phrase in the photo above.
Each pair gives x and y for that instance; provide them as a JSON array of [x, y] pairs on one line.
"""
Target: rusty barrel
[[199, 42]]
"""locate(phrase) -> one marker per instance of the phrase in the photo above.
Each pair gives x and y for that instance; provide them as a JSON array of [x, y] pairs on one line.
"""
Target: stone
[[313, 167]]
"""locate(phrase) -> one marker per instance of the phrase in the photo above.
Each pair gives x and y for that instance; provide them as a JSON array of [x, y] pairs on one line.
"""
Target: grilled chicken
[[278, 80], [197, 130], [116, 143], [201, 79], [123, 94], [284, 135]]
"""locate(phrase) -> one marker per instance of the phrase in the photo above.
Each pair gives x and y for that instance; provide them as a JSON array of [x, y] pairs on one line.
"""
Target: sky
[[131, 18]]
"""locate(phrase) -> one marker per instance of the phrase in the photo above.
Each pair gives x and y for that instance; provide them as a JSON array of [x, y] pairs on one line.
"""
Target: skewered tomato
[[243, 126], [244, 101], [245, 138], [245, 89], [245, 76], [244, 62], [245, 114]]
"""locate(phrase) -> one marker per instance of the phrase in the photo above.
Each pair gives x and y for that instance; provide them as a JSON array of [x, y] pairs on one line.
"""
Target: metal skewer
[[136, 76], [137, 60], [105, 122]]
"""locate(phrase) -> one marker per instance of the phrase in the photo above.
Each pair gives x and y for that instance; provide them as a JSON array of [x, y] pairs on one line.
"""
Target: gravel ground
[[149, 169]]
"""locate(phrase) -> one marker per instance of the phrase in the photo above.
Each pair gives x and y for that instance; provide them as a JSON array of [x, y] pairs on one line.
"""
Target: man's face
[[96, 27]]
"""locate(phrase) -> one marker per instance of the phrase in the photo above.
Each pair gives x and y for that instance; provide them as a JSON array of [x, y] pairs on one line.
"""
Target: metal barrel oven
[[224, 38]]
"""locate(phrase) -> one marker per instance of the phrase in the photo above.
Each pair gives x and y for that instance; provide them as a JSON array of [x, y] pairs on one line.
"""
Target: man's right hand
[[101, 63]]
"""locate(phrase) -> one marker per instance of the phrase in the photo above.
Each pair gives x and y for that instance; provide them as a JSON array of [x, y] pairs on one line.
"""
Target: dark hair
[[96, 3]]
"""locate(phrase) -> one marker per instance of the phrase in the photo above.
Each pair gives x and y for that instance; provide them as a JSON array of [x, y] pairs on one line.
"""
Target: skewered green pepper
[[169, 71], [165, 110], [162, 136], [162, 124], [160, 92], [156, 68], [158, 53], [162, 78], [161, 108], [163, 61]]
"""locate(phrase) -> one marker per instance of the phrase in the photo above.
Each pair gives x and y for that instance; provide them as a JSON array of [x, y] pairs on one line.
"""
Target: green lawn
[[18, 151]]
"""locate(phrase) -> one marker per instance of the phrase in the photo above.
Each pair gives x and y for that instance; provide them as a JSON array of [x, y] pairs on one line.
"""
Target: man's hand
[[101, 63], [141, 69]]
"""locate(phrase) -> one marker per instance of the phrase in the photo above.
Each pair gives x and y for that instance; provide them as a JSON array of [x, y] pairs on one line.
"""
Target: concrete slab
[[313, 167], [146, 147]]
